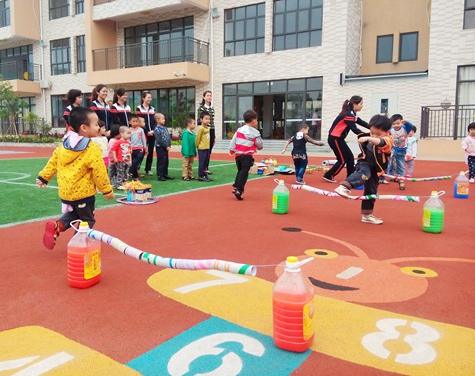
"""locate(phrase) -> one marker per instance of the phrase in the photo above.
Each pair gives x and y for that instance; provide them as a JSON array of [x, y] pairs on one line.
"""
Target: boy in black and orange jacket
[[376, 149]]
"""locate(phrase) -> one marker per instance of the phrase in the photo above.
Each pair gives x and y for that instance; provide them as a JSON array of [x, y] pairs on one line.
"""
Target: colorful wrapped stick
[[173, 263], [367, 197], [433, 178]]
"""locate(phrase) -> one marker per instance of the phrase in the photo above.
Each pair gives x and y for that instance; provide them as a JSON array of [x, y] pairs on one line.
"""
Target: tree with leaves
[[10, 107]]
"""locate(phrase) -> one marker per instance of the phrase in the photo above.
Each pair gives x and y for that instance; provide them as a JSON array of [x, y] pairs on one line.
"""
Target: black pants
[[162, 162], [203, 162], [243, 163], [84, 212], [343, 156], [367, 175], [151, 149], [137, 158]]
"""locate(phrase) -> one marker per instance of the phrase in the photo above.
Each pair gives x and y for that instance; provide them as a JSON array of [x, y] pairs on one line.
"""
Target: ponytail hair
[[118, 93], [348, 104]]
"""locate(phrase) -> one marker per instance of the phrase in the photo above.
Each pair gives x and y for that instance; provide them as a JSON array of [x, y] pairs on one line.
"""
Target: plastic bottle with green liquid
[[433, 213], [280, 198]]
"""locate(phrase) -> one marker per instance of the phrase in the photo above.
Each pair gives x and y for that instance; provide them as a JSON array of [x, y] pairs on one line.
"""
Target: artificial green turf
[[22, 200]]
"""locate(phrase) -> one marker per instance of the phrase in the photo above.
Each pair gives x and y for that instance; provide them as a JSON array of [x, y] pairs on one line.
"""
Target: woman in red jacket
[[343, 123]]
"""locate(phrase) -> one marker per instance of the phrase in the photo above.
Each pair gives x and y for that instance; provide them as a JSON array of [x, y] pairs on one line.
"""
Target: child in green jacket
[[188, 150]]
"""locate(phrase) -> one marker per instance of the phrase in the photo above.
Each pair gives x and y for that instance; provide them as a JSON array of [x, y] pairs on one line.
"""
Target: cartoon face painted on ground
[[357, 278]]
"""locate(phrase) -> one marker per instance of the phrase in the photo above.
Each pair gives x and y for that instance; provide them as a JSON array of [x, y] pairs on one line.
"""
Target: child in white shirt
[[411, 152], [468, 145]]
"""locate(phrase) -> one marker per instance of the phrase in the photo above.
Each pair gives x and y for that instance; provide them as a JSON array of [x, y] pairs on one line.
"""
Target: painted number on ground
[[226, 363], [36, 368], [224, 279], [405, 341]]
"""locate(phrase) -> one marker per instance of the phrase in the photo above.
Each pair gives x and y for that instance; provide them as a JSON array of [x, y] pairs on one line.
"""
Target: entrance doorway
[[271, 115]]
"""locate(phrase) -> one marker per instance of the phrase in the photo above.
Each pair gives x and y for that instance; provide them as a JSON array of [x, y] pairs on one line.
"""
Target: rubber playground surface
[[391, 299]]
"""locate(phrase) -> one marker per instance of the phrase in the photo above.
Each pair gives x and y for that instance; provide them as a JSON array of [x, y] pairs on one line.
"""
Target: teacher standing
[[206, 106], [344, 122]]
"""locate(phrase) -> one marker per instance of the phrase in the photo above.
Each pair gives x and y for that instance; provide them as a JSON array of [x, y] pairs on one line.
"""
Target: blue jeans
[[300, 163], [137, 158], [397, 163]]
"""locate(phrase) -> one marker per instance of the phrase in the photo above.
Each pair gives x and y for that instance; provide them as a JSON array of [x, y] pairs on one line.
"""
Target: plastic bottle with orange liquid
[[84, 259], [293, 308]]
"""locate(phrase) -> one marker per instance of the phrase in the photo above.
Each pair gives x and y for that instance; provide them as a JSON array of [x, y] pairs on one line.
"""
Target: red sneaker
[[51, 234]]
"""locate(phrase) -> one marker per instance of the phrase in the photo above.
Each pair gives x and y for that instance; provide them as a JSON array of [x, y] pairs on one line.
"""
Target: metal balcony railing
[[15, 70], [5, 17], [450, 121], [170, 51]]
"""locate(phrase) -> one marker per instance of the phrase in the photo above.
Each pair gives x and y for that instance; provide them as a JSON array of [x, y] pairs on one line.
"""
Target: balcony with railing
[[180, 58], [446, 121], [24, 77], [120, 9]]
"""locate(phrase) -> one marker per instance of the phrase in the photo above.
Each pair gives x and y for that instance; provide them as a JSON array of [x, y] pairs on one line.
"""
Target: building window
[[469, 15], [384, 49], [244, 30], [79, 6], [408, 44], [58, 9], [58, 103], [281, 105], [81, 53], [17, 63], [297, 24], [60, 56], [160, 42], [4, 13]]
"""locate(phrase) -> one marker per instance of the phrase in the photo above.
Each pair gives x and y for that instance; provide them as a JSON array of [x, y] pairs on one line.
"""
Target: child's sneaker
[[383, 181], [370, 218], [300, 181], [51, 234], [402, 185], [343, 191], [329, 180], [238, 195], [471, 181]]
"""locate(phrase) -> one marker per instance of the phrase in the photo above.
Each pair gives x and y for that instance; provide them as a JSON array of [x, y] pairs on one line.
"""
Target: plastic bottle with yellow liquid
[[84, 259], [293, 308]]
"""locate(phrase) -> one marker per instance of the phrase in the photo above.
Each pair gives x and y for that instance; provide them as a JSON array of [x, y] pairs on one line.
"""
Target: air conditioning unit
[[45, 84]]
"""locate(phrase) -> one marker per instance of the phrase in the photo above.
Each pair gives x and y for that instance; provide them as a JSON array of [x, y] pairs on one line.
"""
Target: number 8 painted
[[422, 352]]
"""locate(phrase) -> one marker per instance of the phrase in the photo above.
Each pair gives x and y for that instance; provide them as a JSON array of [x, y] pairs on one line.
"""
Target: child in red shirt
[[122, 156]]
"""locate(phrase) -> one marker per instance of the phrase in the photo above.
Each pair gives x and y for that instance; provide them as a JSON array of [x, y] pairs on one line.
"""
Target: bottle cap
[[292, 262], [83, 227], [434, 194], [462, 172], [281, 182]]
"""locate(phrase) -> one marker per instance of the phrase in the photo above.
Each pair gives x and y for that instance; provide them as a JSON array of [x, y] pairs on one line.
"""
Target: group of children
[[81, 162]]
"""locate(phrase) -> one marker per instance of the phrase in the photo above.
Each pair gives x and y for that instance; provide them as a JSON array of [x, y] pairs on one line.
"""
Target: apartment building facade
[[290, 60]]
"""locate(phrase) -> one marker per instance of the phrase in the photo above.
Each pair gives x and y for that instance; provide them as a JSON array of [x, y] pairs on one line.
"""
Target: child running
[[299, 151], [80, 173], [375, 150], [245, 142]]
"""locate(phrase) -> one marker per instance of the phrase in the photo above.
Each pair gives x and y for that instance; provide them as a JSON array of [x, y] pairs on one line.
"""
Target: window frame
[[401, 37], [58, 51], [468, 9], [287, 8], [58, 11], [5, 13], [259, 41], [79, 7], [378, 38], [80, 54]]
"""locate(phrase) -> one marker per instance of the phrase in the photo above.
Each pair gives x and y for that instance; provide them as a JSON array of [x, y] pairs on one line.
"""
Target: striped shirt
[[246, 141]]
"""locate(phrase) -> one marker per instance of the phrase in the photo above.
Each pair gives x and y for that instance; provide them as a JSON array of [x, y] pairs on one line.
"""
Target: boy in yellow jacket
[[203, 145], [81, 172]]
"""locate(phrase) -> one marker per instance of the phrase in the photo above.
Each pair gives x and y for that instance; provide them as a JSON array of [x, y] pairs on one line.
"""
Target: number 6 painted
[[231, 364]]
